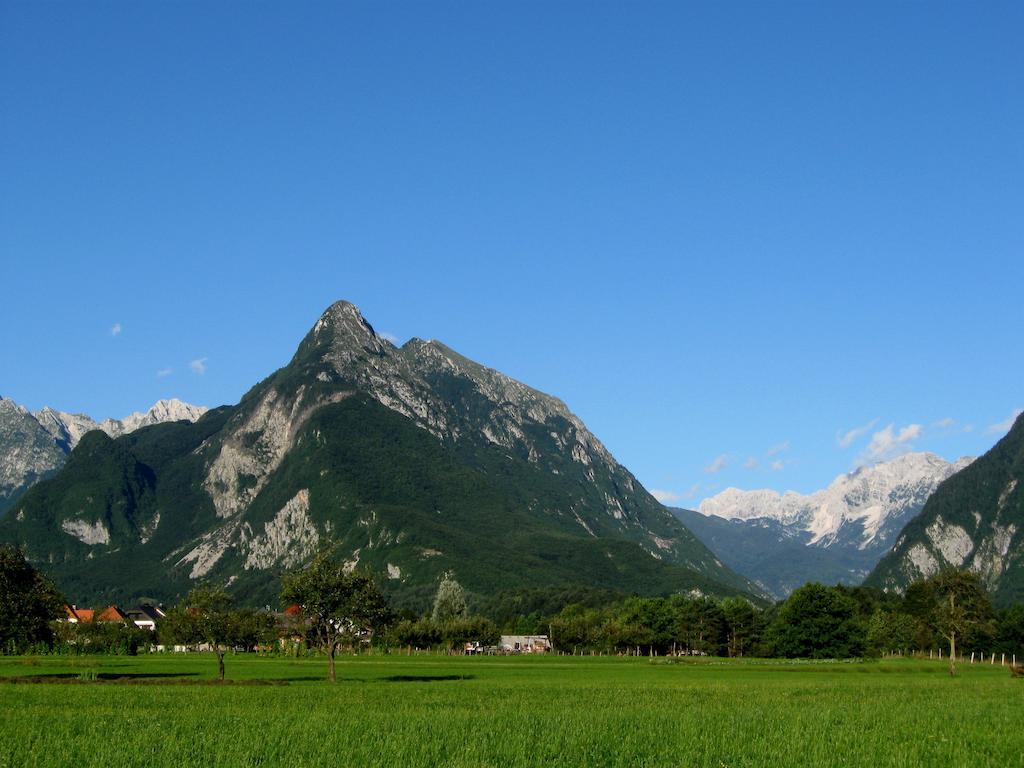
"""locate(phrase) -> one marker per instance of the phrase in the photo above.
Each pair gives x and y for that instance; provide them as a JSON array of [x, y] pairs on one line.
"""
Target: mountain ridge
[[974, 520], [411, 461], [34, 445], [834, 535]]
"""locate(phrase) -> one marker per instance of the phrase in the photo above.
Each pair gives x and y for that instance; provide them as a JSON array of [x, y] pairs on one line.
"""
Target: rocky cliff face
[[837, 534], [28, 452], [411, 461], [974, 520], [35, 445]]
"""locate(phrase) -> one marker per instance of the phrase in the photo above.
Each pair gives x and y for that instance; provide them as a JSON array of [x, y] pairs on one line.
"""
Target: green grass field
[[508, 711]]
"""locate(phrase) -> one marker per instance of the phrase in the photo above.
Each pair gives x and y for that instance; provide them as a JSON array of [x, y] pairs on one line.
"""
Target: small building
[[145, 616], [75, 615], [111, 613], [524, 644]]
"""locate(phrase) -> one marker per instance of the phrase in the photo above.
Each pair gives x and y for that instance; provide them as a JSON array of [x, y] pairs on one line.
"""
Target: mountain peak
[[1018, 423], [343, 327], [174, 407], [8, 405], [342, 314], [416, 461], [161, 411]]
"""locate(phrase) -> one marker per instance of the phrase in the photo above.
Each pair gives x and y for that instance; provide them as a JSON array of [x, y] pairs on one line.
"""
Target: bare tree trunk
[[952, 635], [220, 663], [952, 653], [331, 674]]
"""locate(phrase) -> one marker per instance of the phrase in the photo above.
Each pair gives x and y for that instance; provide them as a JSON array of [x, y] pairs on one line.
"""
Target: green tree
[[422, 633], [962, 608], [817, 622], [919, 602], [205, 617], [645, 623], [28, 603], [255, 628], [336, 606], [457, 632], [1010, 629], [743, 625], [699, 624], [578, 628], [889, 630], [112, 637], [529, 624], [450, 601]]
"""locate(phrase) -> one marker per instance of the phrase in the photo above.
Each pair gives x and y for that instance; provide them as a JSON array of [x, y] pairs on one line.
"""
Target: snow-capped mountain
[[860, 507], [35, 445], [781, 540]]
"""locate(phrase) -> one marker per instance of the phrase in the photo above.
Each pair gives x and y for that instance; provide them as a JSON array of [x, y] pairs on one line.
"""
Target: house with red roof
[[112, 613], [75, 615]]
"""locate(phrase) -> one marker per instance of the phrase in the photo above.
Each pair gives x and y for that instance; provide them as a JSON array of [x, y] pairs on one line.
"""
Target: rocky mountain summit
[[837, 534], [35, 445], [410, 461], [974, 520]]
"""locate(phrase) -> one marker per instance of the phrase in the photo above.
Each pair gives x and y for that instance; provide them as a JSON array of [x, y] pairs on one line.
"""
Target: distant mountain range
[[35, 445], [974, 520], [835, 535], [410, 461]]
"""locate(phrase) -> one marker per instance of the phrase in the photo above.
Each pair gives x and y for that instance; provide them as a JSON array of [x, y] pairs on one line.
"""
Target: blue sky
[[740, 240]]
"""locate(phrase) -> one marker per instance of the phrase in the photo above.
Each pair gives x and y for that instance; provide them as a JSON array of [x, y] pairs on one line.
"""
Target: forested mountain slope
[[411, 461]]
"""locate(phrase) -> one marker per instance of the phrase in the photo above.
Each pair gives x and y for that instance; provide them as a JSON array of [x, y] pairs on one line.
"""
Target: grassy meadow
[[506, 711]]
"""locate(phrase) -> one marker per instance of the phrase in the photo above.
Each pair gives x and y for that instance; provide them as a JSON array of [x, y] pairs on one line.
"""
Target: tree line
[[329, 608], [950, 611]]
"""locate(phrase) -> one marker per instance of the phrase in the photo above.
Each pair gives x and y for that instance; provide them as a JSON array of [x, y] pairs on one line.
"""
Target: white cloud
[[665, 497], [115, 329], [388, 337], [716, 466], [198, 365], [778, 465], [1004, 426], [751, 463], [888, 443], [945, 423], [848, 438], [909, 432], [164, 372], [775, 450]]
